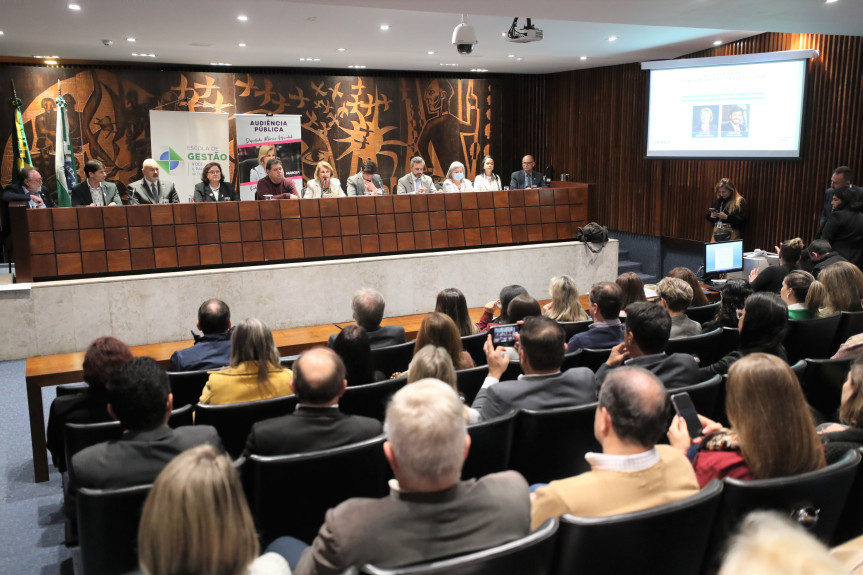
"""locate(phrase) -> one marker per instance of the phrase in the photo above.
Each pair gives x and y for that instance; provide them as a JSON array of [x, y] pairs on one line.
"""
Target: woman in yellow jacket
[[254, 372]]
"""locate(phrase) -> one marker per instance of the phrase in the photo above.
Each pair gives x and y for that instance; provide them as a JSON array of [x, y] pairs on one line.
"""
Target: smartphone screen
[[504, 335], [685, 409]]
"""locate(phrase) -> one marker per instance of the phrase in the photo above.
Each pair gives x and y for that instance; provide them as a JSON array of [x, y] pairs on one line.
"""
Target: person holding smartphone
[[728, 212]]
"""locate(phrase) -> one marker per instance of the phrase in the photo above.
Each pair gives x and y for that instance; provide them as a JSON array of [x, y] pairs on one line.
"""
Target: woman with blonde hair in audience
[[265, 154], [435, 362], [687, 275], [456, 179], [451, 302], [196, 521], [254, 373], [565, 304], [848, 433], [439, 330], [795, 294], [632, 289], [843, 282], [325, 184], [772, 432]]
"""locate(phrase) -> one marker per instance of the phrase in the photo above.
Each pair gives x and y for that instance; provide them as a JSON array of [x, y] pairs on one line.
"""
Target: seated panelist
[[152, 189], [275, 184], [526, 177], [366, 182], [213, 187], [94, 190], [416, 182], [324, 184], [455, 179], [487, 181]]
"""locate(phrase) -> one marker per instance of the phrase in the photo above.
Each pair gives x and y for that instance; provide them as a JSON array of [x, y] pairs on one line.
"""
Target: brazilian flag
[[20, 149]]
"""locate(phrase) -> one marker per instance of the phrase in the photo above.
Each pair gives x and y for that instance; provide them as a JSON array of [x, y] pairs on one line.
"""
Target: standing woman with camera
[[728, 212]]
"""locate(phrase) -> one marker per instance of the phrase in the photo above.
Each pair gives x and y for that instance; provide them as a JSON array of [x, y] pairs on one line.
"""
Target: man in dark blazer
[[842, 178], [606, 330], [319, 381], [648, 327], [212, 350], [28, 188], [368, 306], [430, 512], [526, 177], [94, 190], [152, 189], [139, 396], [543, 385]]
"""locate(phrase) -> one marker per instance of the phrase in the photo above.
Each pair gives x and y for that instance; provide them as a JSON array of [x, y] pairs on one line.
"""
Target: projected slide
[[729, 111]]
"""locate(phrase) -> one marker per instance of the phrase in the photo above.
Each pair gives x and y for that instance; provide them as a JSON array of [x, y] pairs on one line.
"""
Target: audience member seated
[[794, 292], [632, 472], [543, 386], [254, 372], [632, 289], [452, 303], [648, 326], [438, 329], [436, 363], [772, 432], [698, 297], [762, 323], [768, 543], [103, 357], [316, 424], [196, 520], [770, 278], [430, 513], [848, 433], [368, 308], [565, 304], [731, 299], [212, 350], [675, 295], [844, 227], [352, 345], [822, 255], [606, 330], [139, 396], [506, 295], [843, 282]]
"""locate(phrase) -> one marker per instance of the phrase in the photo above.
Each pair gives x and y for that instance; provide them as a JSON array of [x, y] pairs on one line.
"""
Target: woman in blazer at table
[[213, 187], [324, 184], [487, 181], [456, 180]]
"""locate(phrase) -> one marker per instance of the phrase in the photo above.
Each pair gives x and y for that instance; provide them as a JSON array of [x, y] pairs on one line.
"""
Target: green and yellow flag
[[20, 149]]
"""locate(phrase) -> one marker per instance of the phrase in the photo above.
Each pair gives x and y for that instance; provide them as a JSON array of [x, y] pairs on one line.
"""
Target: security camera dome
[[464, 37]]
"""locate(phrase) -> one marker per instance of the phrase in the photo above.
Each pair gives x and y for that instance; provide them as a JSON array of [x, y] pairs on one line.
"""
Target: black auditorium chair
[[289, 494], [704, 346], [593, 358], [469, 381], [822, 383], [490, 446], [730, 341], [593, 544], [850, 323], [234, 421], [72, 388], [810, 338], [551, 444], [371, 399], [288, 361], [571, 359], [704, 395], [571, 328], [187, 386], [799, 369], [473, 345], [394, 358], [851, 521], [108, 528], [530, 555], [703, 313]]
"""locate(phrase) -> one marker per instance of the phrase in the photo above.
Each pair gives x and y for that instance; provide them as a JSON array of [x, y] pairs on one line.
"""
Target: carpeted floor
[[31, 517]]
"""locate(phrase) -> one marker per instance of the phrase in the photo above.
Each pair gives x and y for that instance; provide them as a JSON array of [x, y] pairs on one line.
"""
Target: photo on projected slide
[[735, 121], [704, 121]]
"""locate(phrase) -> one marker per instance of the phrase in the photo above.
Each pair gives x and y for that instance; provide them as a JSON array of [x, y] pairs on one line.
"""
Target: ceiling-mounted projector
[[529, 33]]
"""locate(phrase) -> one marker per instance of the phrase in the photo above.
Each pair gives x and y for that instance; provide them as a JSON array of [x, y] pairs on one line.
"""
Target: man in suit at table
[[543, 386], [648, 327], [526, 177], [366, 182], [317, 423], [416, 182], [152, 189], [94, 190], [368, 306]]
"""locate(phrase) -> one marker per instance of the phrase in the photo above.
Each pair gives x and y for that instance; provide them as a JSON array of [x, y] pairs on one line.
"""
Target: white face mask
[[458, 176]]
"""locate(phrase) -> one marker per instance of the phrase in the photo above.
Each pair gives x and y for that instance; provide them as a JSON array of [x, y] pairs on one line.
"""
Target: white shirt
[[450, 186], [625, 463], [484, 184]]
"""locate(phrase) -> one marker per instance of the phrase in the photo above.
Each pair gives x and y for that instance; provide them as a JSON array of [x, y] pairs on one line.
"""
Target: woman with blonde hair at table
[[325, 184]]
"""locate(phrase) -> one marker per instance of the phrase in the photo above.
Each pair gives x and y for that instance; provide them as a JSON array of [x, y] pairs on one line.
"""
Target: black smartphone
[[685, 409], [504, 335]]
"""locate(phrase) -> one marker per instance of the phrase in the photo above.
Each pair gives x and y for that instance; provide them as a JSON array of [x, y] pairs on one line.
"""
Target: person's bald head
[[527, 163], [319, 377], [214, 316], [636, 403]]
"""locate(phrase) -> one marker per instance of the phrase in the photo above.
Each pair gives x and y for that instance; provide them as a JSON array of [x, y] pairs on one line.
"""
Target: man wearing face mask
[[366, 182]]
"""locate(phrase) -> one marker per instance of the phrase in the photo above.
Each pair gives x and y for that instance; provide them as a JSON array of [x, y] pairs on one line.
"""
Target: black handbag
[[593, 233], [722, 235]]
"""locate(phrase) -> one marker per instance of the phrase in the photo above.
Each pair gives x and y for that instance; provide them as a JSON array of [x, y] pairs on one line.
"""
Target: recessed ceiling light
[[242, 44], [385, 27], [142, 55], [478, 70], [447, 64], [340, 49], [74, 7], [511, 56], [519, 59], [242, 18], [1, 32], [130, 39], [355, 66], [612, 38], [49, 57], [430, 52], [583, 58], [51, 62], [717, 42], [219, 64], [831, 1]]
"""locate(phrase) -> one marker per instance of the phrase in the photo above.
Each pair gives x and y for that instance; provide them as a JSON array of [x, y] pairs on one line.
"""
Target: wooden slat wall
[[595, 124]]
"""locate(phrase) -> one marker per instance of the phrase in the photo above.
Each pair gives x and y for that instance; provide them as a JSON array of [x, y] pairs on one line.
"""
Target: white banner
[[182, 143], [260, 138]]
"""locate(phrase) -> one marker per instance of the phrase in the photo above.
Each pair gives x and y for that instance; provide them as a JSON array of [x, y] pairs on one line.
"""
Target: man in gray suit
[[368, 306], [94, 190], [648, 327], [366, 182], [152, 189], [416, 182], [541, 347], [430, 512]]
